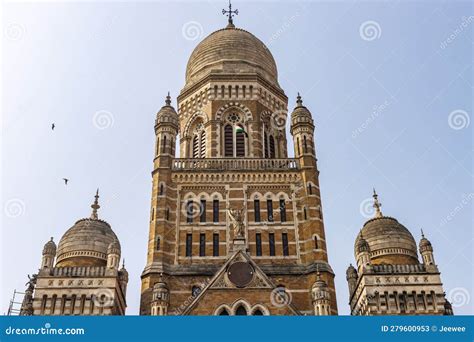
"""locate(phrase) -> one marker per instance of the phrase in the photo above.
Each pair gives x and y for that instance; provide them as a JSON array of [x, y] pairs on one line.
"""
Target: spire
[[95, 206], [299, 101], [230, 14], [422, 234], [168, 99], [377, 205], [123, 263]]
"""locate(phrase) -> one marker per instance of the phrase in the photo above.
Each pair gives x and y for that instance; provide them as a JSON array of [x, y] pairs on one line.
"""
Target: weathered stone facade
[[389, 279], [233, 155]]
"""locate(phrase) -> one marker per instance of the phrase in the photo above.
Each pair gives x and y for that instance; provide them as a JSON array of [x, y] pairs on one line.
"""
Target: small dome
[[362, 245], [167, 114], [231, 51], [114, 247], [351, 272], [123, 274], [301, 114], [49, 248], [389, 242], [160, 286]]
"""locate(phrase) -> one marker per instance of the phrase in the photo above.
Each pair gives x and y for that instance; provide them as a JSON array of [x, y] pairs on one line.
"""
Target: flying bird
[[52, 126], [65, 180]]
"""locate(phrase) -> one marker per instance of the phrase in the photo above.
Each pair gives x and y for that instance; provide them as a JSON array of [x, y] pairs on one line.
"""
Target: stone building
[[389, 278], [81, 276], [236, 227]]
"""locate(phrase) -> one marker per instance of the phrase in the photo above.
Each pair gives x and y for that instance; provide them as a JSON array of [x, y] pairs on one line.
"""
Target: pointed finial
[[230, 14], [168, 99], [377, 205], [95, 206], [299, 101], [51, 238], [123, 263], [422, 234]]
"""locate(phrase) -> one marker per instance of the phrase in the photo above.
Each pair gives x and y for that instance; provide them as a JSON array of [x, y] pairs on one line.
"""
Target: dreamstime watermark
[[376, 112], [366, 208], [458, 119], [103, 297], [197, 289], [192, 209], [46, 330], [14, 207], [370, 30], [278, 119], [192, 30], [283, 28], [280, 297], [14, 31], [459, 296], [466, 199], [103, 119], [466, 21]]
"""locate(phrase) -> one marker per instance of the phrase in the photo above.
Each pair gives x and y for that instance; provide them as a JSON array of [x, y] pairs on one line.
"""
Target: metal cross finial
[[377, 205], [95, 206], [230, 14]]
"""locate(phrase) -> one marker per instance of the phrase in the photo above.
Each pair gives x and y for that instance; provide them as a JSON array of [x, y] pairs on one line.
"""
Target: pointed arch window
[[241, 311], [258, 312], [298, 146], [164, 145], [305, 145], [202, 145], [224, 312], [239, 142], [265, 142], [195, 147], [234, 136]]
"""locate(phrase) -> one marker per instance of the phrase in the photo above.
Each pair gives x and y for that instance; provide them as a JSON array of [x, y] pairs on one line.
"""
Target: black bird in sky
[[52, 126], [65, 180]]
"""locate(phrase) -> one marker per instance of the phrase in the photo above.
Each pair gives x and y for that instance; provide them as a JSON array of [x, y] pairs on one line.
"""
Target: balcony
[[234, 164]]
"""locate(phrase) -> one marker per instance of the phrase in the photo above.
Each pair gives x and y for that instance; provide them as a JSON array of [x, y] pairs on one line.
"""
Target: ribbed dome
[[86, 244], [389, 242], [231, 51], [49, 248]]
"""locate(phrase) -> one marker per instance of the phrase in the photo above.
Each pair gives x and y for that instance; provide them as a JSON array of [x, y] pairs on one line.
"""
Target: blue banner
[[234, 328]]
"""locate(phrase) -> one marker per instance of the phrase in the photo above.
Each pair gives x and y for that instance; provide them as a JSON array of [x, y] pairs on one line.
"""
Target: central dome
[[231, 51]]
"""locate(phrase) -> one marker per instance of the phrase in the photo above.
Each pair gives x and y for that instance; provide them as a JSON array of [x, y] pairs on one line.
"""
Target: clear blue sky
[[381, 80]]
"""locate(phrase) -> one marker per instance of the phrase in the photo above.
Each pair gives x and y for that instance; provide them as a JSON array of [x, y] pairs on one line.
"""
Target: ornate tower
[[85, 279], [236, 226], [390, 279]]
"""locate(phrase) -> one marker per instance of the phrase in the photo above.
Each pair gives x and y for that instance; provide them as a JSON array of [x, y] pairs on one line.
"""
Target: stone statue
[[31, 282], [237, 217], [27, 303]]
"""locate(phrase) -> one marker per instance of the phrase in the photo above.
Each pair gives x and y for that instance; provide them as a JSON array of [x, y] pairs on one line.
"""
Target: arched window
[[272, 147], [202, 143], [316, 244], [167, 214], [195, 147], [158, 243], [241, 311], [239, 142], [224, 312], [305, 213], [258, 312], [228, 141], [305, 145], [164, 145], [298, 145], [265, 142], [161, 190], [157, 146]]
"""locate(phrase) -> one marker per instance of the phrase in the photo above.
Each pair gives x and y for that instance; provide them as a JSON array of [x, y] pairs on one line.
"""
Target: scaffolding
[[15, 303]]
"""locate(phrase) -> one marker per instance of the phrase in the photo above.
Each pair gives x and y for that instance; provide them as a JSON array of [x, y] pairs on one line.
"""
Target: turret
[[302, 130], [351, 277], [123, 278], [49, 253], [321, 297], [113, 255], [363, 253], [426, 251], [160, 301], [166, 131]]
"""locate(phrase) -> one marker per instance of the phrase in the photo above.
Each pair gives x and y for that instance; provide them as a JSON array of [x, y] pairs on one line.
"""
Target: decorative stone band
[[90, 254], [224, 164], [391, 251], [390, 269], [82, 271]]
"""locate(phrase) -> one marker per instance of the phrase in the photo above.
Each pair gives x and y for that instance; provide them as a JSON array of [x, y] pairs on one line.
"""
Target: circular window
[[240, 273], [233, 117]]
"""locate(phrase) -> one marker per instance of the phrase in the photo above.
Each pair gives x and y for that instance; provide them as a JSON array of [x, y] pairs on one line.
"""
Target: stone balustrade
[[225, 164]]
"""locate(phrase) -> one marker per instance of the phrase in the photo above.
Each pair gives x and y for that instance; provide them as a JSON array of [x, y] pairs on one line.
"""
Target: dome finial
[[299, 101], [422, 234], [230, 14], [95, 206], [377, 205], [168, 99]]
